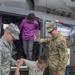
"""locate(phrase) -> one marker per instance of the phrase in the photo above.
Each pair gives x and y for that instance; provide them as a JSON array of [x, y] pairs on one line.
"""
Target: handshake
[[40, 40], [21, 61]]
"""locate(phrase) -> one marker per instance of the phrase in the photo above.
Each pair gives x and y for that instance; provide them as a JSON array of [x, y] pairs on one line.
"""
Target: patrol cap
[[50, 26], [14, 30]]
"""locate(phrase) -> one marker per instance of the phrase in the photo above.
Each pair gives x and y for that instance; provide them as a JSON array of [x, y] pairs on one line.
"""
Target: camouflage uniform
[[58, 55], [5, 52]]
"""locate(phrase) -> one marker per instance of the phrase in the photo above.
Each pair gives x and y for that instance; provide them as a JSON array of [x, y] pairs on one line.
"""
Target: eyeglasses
[[51, 31]]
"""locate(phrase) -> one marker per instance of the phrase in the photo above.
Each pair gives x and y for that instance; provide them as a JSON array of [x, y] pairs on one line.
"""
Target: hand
[[17, 62], [41, 40], [22, 60], [17, 73], [37, 36]]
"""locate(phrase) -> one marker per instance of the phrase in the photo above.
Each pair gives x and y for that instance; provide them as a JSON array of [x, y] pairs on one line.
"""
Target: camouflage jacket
[[58, 55], [5, 57]]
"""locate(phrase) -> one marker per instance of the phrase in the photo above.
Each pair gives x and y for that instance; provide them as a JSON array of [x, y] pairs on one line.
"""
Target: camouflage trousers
[[52, 72]]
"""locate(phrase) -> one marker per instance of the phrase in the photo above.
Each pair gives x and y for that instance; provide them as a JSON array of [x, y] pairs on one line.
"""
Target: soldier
[[58, 55], [11, 33]]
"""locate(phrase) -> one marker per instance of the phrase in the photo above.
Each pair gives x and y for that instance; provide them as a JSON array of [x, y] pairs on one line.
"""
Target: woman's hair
[[43, 59], [31, 16]]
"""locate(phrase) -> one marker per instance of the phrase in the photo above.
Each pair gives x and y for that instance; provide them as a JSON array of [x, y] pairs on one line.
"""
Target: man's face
[[10, 37], [42, 66], [53, 32], [30, 21]]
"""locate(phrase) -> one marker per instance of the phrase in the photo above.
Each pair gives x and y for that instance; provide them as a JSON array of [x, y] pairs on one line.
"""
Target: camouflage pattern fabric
[[13, 30], [50, 26], [58, 55], [5, 57]]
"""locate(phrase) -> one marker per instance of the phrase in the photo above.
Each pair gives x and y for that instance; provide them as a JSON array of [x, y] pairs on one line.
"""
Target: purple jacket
[[28, 29]]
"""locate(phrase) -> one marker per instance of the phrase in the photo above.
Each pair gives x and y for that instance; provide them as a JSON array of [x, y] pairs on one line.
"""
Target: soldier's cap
[[50, 26], [14, 30]]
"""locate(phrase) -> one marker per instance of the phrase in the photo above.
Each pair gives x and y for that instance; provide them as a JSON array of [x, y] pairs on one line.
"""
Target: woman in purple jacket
[[30, 29]]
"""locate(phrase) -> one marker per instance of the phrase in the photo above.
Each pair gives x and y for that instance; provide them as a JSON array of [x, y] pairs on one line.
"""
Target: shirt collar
[[5, 42]]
